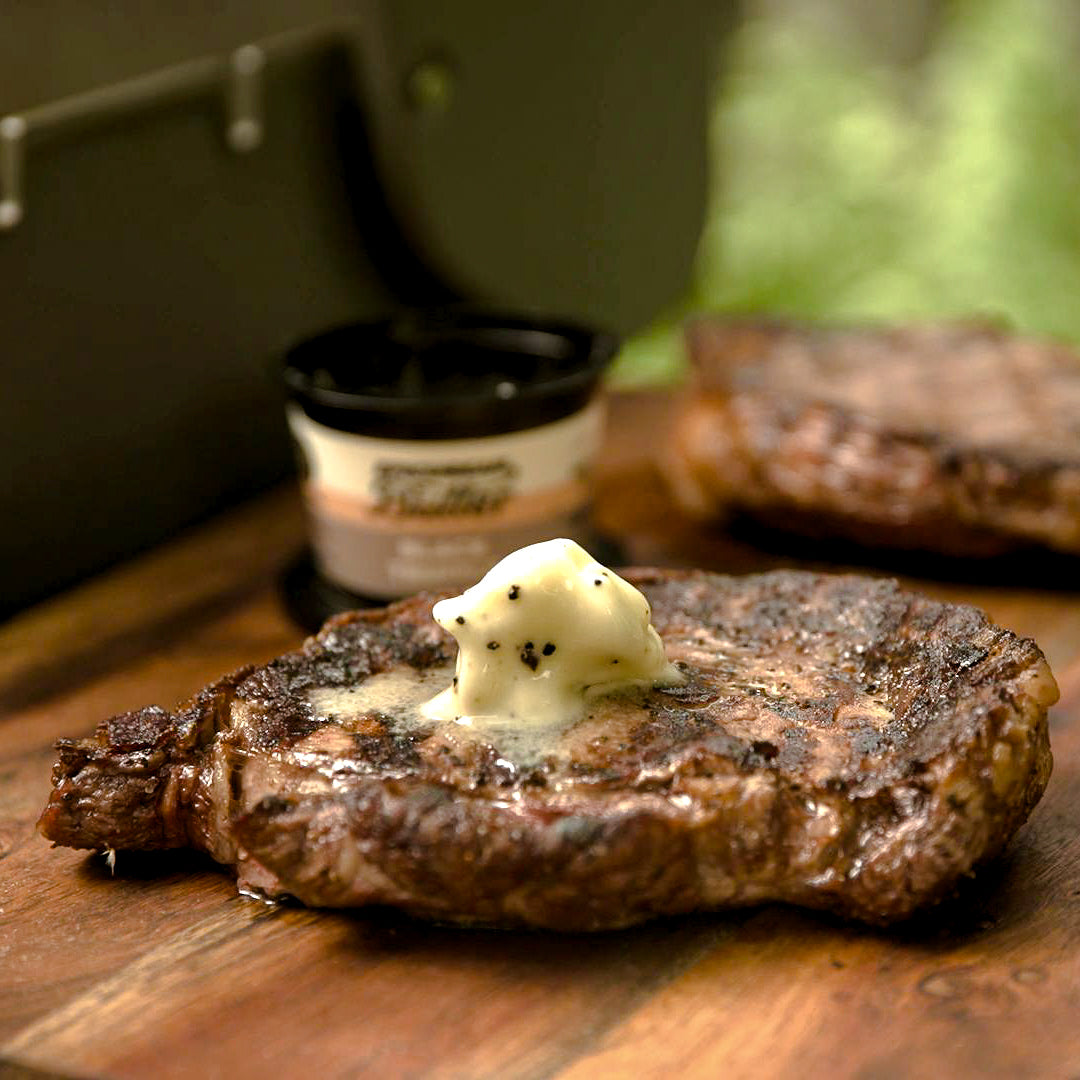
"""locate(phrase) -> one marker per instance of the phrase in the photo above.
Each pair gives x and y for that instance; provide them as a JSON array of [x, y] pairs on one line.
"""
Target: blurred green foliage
[[845, 189]]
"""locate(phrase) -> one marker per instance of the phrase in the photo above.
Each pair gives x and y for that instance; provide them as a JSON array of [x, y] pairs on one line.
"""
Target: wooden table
[[162, 970]]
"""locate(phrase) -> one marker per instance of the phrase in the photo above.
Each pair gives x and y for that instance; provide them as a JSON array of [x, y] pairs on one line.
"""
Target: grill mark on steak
[[908, 438], [839, 743]]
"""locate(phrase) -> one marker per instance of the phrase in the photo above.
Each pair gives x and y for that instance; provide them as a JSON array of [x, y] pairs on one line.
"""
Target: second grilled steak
[[839, 744], [952, 439]]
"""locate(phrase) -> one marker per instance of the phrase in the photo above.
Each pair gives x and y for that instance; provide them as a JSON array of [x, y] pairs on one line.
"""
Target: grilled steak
[[839, 743], [950, 439]]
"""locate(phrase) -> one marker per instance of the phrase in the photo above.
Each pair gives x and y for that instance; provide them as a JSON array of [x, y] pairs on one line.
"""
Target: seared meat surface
[[838, 743], [953, 439]]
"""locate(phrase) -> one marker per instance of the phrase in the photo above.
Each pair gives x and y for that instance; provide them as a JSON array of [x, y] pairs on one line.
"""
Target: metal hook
[[12, 160], [245, 99]]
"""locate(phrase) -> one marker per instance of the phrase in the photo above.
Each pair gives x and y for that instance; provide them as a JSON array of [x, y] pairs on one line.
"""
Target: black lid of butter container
[[448, 373]]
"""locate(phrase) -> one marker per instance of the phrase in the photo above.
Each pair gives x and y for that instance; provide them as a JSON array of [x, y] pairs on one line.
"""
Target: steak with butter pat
[[838, 743]]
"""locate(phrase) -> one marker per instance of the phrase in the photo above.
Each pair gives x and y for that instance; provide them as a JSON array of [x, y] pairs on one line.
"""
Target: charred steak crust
[[840, 744], [958, 439]]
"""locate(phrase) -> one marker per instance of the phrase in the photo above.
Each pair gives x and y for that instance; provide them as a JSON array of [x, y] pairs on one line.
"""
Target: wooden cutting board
[[160, 970]]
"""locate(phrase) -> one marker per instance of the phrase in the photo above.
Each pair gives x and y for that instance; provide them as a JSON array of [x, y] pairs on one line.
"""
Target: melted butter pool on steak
[[389, 704]]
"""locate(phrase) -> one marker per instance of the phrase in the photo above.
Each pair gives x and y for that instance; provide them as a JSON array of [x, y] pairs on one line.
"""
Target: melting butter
[[544, 631], [399, 696], [398, 693]]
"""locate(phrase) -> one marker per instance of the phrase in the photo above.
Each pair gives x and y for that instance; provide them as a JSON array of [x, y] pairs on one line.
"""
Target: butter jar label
[[393, 516]]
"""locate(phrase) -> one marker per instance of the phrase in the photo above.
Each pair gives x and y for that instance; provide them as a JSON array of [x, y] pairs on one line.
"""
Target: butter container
[[434, 443]]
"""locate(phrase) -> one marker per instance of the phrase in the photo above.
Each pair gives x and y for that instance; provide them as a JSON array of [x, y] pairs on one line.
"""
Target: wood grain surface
[[161, 970]]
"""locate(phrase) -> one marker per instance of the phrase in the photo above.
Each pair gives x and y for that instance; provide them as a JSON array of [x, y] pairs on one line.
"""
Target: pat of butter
[[544, 628]]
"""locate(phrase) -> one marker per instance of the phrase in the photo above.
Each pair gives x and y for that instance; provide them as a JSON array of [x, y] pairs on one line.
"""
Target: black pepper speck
[[493, 645], [460, 620], [548, 649], [515, 592]]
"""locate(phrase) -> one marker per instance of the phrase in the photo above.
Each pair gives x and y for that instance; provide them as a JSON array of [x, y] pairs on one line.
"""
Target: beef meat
[[960, 440], [839, 743]]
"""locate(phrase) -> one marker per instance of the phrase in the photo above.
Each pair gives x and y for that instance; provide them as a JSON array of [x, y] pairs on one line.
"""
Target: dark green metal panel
[[569, 166]]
